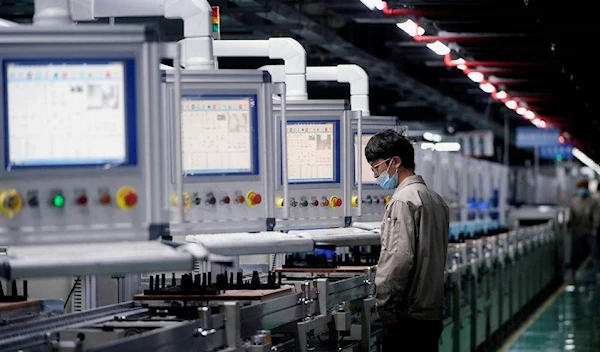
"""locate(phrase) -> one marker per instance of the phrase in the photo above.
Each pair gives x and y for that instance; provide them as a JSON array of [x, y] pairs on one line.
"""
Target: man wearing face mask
[[414, 242], [583, 225]]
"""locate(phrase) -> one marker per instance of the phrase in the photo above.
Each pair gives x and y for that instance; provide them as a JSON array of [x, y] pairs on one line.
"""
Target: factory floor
[[567, 321]]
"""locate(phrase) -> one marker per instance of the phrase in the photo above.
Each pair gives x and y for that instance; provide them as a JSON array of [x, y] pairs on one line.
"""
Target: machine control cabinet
[[318, 168], [373, 198], [79, 159], [226, 116]]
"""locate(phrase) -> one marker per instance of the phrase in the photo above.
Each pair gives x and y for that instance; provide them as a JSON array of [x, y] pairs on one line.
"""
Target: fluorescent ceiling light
[[447, 147], [586, 160], [411, 28], [511, 104], [374, 4], [529, 115], [539, 123], [521, 110], [461, 65], [502, 95], [428, 146], [432, 137], [439, 48], [475, 76], [487, 87]]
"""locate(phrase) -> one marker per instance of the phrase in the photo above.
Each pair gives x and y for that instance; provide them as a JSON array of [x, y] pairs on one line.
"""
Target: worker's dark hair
[[388, 144], [583, 183]]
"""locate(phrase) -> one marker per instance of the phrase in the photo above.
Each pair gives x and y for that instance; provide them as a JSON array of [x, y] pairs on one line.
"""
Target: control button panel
[[223, 206], [371, 200], [58, 206], [303, 202]]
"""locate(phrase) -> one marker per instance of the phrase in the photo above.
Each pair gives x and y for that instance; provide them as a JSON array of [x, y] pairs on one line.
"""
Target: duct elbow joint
[[356, 76], [291, 51], [196, 16], [294, 57]]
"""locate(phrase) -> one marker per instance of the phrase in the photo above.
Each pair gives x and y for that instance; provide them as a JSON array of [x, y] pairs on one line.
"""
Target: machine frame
[[84, 218], [220, 217]]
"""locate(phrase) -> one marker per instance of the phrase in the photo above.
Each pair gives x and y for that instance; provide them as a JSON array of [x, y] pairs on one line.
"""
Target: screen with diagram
[[312, 149], [69, 113], [219, 135], [367, 173]]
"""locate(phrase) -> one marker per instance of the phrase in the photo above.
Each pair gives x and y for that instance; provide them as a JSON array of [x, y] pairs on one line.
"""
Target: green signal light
[[58, 201], [559, 157]]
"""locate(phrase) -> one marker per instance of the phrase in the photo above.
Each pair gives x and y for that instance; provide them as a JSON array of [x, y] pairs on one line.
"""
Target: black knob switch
[[210, 199], [33, 201]]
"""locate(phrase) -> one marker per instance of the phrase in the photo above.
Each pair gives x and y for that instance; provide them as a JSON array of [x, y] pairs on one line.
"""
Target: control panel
[[373, 198], [316, 177], [77, 156], [225, 118]]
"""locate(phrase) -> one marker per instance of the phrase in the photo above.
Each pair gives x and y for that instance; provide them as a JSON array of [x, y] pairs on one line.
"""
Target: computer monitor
[[65, 113], [367, 174], [219, 135], [313, 151]]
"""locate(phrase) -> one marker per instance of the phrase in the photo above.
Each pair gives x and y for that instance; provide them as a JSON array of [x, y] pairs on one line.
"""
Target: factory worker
[[414, 242], [583, 224]]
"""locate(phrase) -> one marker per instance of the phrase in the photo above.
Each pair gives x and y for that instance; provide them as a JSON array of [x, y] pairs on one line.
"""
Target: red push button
[[82, 200], [315, 203], [226, 200], [105, 199], [130, 199]]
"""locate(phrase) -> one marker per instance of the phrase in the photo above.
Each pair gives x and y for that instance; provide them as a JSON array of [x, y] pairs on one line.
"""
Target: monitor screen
[[367, 173], [219, 135], [69, 112], [311, 150]]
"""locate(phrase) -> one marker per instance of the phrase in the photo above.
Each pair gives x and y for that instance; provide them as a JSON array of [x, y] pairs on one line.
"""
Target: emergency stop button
[[127, 198], [335, 202], [253, 198]]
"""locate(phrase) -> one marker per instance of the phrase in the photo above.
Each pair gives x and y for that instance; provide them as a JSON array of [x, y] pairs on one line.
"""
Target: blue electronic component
[[69, 112], [220, 135], [313, 149]]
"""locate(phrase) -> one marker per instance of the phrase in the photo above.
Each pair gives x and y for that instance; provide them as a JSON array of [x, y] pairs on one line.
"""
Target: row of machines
[[494, 281], [232, 214]]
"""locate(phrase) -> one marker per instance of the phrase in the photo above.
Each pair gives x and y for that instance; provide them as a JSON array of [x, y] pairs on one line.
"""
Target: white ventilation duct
[[196, 47], [52, 13], [288, 49], [352, 74], [7, 23]]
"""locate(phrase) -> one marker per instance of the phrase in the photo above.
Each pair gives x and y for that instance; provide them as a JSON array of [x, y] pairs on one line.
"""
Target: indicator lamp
[[216, 22], [58, 201]]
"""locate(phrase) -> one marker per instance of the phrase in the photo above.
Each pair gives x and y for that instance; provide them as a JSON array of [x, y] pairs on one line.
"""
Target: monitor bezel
[[131, 110], [354, 180], [336, 151], [255, 162]]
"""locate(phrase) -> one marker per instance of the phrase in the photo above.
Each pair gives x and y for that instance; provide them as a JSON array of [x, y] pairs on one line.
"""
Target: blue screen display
[[69, 112], [313, 151], [219, 135]]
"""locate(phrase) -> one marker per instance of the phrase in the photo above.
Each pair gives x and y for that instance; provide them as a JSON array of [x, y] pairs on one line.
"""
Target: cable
[[274, 263], [77, 280]]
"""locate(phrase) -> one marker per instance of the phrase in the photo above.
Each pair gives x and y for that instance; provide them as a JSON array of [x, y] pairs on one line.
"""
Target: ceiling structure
[[528, 48]]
